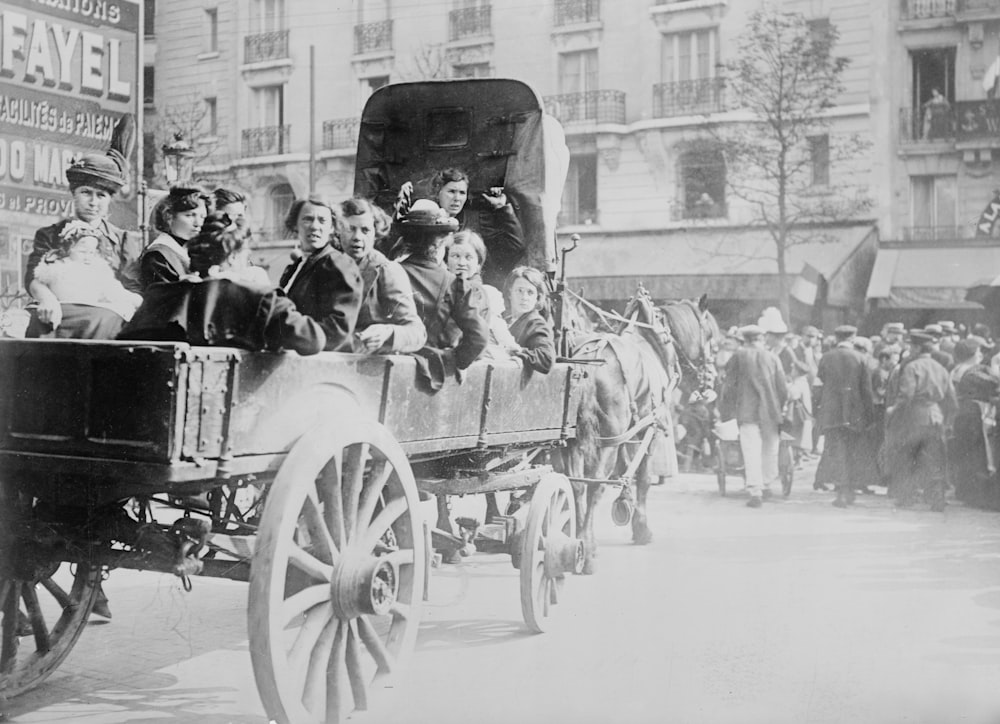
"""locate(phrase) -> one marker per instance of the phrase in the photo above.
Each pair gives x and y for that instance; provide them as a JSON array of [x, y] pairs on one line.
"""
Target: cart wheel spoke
[[320, 534], [355, 458], [303, 602], [11, 609], [329, 485], [37, 619], [372, 492], [335, 705], [309, 564], [305, 640], [314, 692], [393, 511], [377, 650], [359, 689], [57, 592]]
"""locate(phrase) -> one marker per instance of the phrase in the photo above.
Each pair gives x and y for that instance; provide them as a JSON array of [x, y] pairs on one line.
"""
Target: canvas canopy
[[494, 129]]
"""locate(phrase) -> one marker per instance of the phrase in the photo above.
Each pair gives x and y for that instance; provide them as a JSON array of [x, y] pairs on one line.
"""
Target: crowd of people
[[910, 410]]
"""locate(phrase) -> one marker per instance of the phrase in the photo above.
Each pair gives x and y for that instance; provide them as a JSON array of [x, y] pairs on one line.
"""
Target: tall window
[[934, 210], [211, 117], [212, 30], [578, 71], [268, 16], [149, 18], [148, 85], [280, 200], [703, 183], [579, 200], [689, 56], [933, 68], [819, 157]]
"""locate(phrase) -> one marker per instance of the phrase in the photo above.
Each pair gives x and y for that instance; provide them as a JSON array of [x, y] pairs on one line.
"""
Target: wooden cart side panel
[[93, 399]]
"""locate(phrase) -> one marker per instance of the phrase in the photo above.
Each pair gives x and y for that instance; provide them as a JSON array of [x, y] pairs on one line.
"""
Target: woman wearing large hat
[[450, 310], [93, 179]]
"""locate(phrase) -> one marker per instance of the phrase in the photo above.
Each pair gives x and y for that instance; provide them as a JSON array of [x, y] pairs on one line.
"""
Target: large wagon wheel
[[549, 550], [44, 605], [337, 581]]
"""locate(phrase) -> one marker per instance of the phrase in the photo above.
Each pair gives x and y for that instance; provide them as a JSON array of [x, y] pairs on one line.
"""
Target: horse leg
[[444, 514], [492, 511], [641, 534], [586, 532]]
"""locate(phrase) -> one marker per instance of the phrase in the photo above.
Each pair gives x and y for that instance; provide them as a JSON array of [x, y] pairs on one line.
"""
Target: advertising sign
[[67, 74]]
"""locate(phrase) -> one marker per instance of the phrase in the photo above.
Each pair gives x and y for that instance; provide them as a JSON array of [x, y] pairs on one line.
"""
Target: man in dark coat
[[755, 393], [923, 403], [943, 358], [846, 412], [220, 310], [324, 282]]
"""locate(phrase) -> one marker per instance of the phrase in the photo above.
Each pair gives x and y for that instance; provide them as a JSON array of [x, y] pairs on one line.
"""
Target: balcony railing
[[372, 37], [265, 46], [470, 22], [266, 141], [937, 233], [918, 9], [698, 210], [571, 12], [927, 125], [600, 106], [688, 97], [340, 133]]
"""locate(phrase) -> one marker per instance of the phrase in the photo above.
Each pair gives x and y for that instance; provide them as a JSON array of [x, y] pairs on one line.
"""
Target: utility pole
[[312, 119]]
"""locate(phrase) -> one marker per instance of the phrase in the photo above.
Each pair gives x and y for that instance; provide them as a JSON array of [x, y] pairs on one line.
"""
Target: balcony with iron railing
[[927, 125], [600, 106], [340, 133], [373, 37], [264, 47], [266, 141], [924, 9], [574, 12], [688, 97], [470, 23]]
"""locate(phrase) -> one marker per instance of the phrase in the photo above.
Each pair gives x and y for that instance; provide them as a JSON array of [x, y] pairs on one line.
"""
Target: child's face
[[523, 297], [462, 261], [84, 250]]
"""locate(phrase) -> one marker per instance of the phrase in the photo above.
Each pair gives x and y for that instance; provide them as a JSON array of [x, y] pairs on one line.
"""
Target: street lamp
[[178, 160]]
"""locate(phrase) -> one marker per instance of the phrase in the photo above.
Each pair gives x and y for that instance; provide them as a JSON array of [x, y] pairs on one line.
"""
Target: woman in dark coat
[[219, 309], [323, 282], [525, 293]]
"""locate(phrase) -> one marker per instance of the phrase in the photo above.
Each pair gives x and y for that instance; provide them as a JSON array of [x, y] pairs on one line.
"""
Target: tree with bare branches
[[780, 159]]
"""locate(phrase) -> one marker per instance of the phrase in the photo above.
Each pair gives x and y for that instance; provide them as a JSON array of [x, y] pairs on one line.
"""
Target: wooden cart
[[299, 475]]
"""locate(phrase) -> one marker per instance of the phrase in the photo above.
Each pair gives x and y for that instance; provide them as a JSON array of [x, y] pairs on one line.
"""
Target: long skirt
[[79, 321]]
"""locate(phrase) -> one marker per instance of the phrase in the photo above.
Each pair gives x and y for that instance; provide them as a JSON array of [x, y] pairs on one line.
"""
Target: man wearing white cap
[[755, 393]]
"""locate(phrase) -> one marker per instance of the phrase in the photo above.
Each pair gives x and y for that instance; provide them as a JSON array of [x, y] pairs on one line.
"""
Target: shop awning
[[931, 278], [725, 263]]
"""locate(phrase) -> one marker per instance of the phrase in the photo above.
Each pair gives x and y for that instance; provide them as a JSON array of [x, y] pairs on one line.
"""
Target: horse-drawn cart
[[308, 465], [301, 475]]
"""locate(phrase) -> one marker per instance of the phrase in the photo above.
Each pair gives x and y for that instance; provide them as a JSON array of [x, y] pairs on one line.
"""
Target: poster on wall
[[67, 74]]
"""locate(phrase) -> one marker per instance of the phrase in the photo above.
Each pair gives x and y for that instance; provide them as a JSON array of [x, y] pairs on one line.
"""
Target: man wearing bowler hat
[[845, 413], [755, 393], [923, 403]]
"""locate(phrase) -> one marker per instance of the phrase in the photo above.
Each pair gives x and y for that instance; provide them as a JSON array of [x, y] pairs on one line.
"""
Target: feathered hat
[[108, 171]]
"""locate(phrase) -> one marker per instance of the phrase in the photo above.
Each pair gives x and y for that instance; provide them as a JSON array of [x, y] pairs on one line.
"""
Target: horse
[[626, 404], [696, 335]]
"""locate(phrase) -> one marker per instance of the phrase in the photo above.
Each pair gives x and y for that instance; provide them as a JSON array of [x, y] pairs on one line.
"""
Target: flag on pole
[[991, 78], [806, 285]]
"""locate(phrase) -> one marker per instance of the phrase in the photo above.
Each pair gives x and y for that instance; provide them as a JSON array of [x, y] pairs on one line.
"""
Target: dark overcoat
[[328, 288], [847, 399]]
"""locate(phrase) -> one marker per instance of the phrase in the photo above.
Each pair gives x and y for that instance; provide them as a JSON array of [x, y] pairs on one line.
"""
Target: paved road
[[797, 612]]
